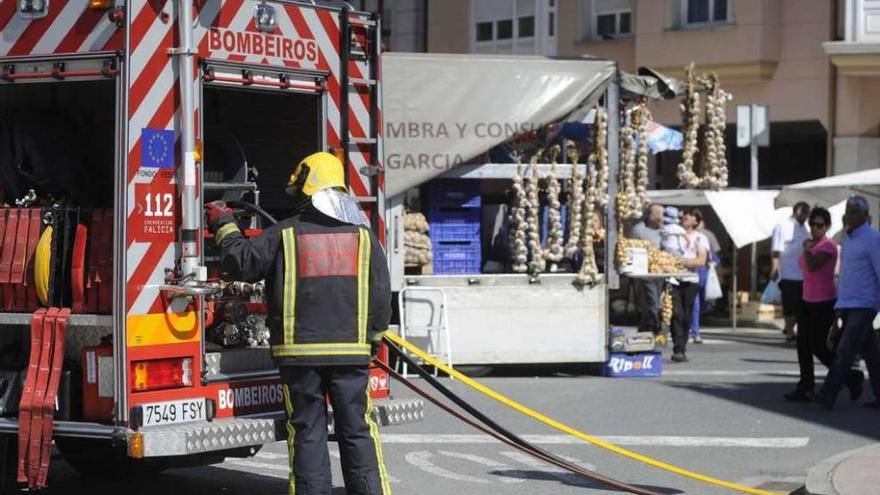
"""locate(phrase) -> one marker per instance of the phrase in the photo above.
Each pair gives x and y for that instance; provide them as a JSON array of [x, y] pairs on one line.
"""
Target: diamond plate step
[[205, 436]]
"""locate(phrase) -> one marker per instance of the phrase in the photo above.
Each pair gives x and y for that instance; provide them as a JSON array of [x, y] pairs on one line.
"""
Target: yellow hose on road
[[396, 339]]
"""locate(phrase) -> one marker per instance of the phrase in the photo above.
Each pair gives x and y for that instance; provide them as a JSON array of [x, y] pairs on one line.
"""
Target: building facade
[[815, 63]]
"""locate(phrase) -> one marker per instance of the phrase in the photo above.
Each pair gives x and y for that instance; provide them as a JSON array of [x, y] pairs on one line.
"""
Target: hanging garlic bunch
[[519, 226], [716, 151], [600, 156], [553, 251], [690, 111], [641, 185], [666, 307], [575, 204], [627, 202], [588, 274], [714, 174], [536, 252]]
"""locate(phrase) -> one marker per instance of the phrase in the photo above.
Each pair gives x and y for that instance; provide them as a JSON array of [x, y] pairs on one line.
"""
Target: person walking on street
[[685, 242], [329, 300], [858, 300], [786, 246], [648, 290], [817, 316], [703, 272]]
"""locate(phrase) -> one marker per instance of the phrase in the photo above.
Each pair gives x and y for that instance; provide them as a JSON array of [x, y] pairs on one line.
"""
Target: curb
[[820, 478]]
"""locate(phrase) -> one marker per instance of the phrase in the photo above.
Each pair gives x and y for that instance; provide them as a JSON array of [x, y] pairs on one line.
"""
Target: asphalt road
[[722, 415]]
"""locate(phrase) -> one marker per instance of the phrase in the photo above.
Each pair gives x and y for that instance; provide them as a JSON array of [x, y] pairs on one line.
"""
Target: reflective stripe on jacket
[[327, 286]]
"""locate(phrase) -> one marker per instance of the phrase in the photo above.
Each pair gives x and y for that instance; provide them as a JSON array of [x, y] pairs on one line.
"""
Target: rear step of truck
[[231, 433]]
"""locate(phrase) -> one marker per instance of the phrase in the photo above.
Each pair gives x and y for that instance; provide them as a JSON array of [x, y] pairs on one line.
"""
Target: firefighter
[[329, 300]]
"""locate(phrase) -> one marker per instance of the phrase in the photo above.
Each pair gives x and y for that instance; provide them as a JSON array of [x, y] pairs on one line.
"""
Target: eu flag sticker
[[157, 148]]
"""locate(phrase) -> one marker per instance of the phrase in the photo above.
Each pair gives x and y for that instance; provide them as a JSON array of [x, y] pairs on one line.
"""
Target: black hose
[[449, 394], [254, 208], [534, 452]]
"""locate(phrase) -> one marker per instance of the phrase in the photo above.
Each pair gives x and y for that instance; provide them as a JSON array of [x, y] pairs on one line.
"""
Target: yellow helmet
[[324, 171]]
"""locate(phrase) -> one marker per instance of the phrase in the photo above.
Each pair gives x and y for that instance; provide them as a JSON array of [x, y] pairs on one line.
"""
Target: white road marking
[[735, 373], [422, 460], [514, 476], [663, 441], [558, 473], [270, 456]]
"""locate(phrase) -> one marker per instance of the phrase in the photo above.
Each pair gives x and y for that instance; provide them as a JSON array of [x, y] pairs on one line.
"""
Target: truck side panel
[[70, 27]]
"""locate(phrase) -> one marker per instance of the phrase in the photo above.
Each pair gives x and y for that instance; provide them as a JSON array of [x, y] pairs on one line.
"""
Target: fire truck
[[118, 120]]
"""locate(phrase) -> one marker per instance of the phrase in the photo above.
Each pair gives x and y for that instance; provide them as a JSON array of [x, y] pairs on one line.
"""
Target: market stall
[[544, 304]]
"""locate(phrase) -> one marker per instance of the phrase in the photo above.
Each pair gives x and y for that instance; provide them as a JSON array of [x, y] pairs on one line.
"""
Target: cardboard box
[[643, 364], [636, 262]]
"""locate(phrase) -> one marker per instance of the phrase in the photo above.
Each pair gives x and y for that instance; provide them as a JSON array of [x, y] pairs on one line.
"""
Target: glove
[[214, 210]]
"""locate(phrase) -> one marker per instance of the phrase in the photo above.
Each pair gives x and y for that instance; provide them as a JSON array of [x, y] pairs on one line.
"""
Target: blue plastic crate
[[456, 257], [462, 232], [453, 267], [453, 215], [454, 193]]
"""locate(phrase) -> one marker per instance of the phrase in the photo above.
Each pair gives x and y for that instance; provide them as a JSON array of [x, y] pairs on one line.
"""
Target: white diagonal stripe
[[422, 460], [11, 32], [147, 294], [99, 36], [60, 27], [514, 477]]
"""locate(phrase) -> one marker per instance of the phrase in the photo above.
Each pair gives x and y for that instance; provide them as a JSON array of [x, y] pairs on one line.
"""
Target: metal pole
[[190, 216], [611, 102], [735, 289], [754, 185]]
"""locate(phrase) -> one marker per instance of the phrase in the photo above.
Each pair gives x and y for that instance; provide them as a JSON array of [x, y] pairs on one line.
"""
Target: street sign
[[752, 121]]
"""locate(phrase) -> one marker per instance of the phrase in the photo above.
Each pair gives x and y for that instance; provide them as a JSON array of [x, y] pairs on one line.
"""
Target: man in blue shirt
[[858, 300]]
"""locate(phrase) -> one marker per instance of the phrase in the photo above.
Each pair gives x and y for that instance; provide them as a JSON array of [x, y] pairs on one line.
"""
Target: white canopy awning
[[832, 190], [748, 216], [441, 110]]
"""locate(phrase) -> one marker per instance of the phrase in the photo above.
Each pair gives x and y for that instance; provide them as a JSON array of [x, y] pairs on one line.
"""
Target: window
[[484, 31], [526, 27], [609, 19], [505, 29], [612, 25], [513, 26], [706, 11]]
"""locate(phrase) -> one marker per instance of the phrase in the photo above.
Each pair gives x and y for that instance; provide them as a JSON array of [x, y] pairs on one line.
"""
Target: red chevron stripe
[[143, 20], [81, 29], [35, 30], [7, 10]]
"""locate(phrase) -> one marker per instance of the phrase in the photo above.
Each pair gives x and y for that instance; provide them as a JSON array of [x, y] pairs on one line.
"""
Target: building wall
[[449, 25], [771, 53]]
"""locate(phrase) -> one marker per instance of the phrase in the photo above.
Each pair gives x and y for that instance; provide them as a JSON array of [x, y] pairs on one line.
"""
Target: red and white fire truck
[[118, 119]]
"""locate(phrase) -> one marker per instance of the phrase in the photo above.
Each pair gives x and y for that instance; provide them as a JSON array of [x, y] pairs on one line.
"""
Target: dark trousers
[[814, 320], [648, 298], [858, 336], [683, 297], [360, 449]]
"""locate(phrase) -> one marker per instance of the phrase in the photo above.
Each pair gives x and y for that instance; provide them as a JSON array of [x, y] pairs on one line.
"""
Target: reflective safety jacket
[[327, 286]]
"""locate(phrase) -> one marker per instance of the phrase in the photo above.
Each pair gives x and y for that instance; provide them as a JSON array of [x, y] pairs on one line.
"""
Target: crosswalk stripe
[[648, 441]]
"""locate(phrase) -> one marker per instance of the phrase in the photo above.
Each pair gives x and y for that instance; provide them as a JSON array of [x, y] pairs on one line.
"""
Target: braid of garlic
[[690, 109], [588, 274], [641, 186], [600, 156], [717, 115], [536, 252], [553, 251], [575, 204], [626, 197], [519, 226]]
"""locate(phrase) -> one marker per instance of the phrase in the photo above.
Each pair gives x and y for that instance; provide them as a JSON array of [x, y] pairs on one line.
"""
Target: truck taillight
[[157, 374], [100, 4]]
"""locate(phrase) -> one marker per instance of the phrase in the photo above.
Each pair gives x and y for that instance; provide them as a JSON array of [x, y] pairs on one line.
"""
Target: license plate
[[175, 411]]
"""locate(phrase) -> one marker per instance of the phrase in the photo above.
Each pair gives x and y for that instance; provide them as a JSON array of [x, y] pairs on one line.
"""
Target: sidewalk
[[850, 473]]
